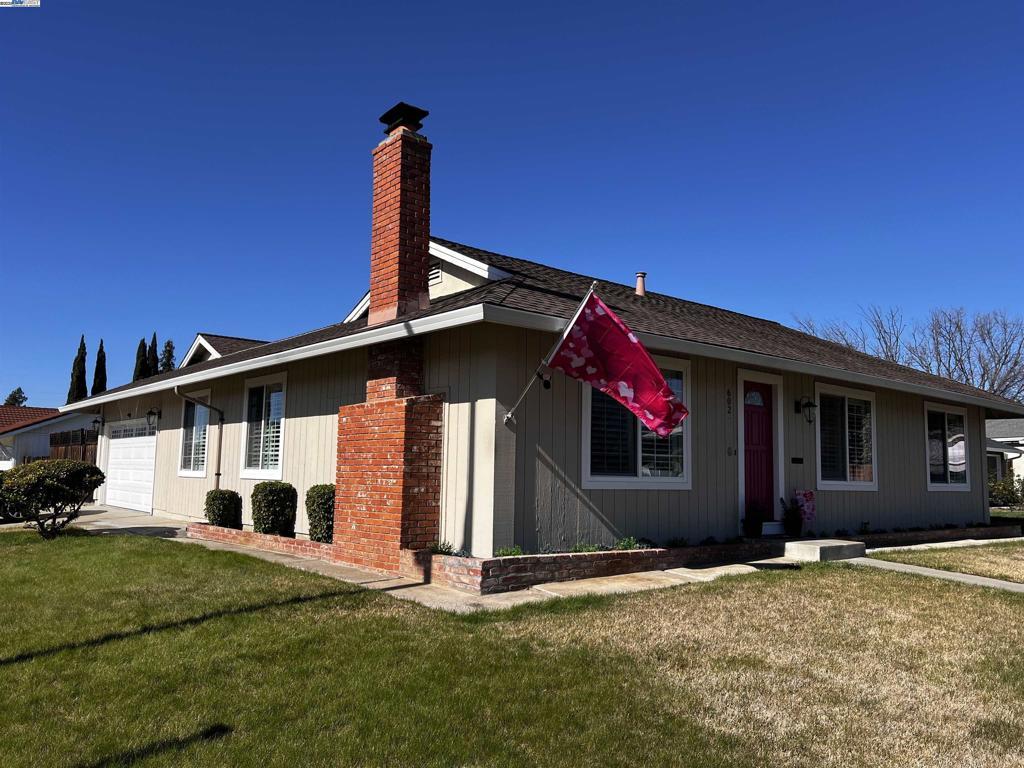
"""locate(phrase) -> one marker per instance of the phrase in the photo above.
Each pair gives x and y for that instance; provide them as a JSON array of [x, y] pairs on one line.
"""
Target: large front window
[[947, 448], [194, 422], [264, 428], [846, 439], [619, 451]]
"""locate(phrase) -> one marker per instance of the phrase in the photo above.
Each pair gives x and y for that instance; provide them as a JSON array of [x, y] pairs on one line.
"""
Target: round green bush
[[320, 513], [273, 508], [224, 508], [49, 493]]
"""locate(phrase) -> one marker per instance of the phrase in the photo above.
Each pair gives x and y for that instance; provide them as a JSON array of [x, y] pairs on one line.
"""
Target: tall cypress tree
[[167, 357], [99, 375], [77, 389], [151, 359], [141, 362]]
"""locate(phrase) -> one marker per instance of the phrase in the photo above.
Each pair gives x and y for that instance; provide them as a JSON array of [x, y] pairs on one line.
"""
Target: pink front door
[[758, 454]]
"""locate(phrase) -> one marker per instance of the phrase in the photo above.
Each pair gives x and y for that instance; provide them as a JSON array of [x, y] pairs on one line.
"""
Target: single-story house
[[25, 432], [1005, 447], [402, 405]]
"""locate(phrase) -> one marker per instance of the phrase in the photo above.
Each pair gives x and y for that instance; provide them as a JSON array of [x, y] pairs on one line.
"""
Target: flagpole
[[510, 416]]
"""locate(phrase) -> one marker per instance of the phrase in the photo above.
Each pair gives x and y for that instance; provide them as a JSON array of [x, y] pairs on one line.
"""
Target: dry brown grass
[[833, 665], [997, 561]]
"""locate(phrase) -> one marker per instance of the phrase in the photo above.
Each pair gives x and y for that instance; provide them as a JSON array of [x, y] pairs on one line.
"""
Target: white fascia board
[[465, 262], [521, 318], [199, 342], [452, 319], [358, 309]]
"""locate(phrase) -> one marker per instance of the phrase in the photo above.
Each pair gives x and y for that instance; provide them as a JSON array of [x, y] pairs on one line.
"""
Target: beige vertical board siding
[[553, 511], [462, 365], [902, 499], [315, 389]]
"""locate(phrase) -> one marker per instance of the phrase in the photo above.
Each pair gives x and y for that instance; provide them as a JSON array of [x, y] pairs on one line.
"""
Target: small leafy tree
[[167, 357], [49, 494], [152, 361], [17, 397], [77, 389], [141, 362], [99, 375]]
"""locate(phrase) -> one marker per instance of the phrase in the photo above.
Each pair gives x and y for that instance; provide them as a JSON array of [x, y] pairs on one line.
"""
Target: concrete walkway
[[935, 573], [106, 521], [947, 544]]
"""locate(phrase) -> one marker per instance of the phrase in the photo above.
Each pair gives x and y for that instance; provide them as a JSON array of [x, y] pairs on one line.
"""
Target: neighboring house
[[402, 405], [1006, 447], [25, 432]]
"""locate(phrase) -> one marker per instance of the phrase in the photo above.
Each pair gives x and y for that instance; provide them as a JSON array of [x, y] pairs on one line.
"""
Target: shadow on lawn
[[179, 624], [131, 756]]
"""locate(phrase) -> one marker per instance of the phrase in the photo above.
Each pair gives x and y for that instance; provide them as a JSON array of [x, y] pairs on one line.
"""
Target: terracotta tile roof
[[15, 417], [545, 290]]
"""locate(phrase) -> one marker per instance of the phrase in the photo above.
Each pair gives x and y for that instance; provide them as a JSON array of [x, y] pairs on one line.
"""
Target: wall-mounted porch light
[[807, 407], [152, 416]]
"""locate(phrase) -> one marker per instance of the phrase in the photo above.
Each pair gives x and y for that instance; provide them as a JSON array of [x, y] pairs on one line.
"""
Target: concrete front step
[[821, 550]]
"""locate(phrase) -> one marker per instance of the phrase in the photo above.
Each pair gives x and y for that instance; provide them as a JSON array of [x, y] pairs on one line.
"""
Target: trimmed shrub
[[224, 508], [273, 508], [49, 494], [320, 513]]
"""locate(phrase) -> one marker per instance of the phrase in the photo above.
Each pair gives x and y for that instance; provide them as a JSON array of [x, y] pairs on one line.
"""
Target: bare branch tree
[[984, 350]]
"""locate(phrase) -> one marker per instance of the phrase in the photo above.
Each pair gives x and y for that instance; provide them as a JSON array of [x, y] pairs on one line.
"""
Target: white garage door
[[131, 463]]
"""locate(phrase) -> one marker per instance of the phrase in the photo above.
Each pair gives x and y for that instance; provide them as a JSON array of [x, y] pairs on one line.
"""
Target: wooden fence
[[78, 444]]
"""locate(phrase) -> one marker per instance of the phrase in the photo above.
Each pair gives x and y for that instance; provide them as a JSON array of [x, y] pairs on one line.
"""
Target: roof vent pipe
[[641, 283]]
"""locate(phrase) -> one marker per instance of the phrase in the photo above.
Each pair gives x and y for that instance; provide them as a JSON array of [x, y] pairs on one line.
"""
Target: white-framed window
[[620, 452], [846, 442], [195, 421], [263, 416], [947, 448]]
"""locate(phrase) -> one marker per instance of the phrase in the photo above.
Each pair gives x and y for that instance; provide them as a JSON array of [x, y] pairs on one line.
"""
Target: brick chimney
[[400, 239]]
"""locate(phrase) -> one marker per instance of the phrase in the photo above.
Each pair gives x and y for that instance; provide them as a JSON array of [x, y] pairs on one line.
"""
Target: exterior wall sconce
[[807, 407], [97, 424], [152, 416]]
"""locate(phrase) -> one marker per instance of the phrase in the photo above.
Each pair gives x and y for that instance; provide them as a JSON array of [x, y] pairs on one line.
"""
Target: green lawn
[[997, 561], [132, 651]]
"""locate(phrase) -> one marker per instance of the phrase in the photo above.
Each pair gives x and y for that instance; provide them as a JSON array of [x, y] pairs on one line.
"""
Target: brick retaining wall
[[504, 574], [265, 541]]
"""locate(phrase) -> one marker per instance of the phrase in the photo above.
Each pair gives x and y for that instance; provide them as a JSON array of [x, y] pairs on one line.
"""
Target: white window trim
[[684, 483], [198, 394], [263, 474], [947, 487], [775, 380], [860, 394]]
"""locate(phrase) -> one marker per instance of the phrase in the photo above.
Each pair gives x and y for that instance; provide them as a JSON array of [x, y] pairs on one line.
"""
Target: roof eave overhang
[[478, 313]]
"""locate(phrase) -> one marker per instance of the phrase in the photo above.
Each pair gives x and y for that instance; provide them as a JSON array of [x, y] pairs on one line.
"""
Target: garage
[[131, 465]]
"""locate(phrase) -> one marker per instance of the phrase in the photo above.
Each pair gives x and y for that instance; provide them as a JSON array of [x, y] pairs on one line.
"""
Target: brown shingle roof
[[226, 345], [15, 417], [545, 290]]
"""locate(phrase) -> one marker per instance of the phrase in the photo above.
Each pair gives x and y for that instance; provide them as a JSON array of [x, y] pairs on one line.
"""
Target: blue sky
[[185, 166]]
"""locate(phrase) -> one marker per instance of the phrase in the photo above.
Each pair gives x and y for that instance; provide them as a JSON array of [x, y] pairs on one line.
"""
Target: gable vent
[[434, 276]]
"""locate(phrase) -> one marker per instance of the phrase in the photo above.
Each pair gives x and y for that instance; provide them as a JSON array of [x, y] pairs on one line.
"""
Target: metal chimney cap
[[403, 115]]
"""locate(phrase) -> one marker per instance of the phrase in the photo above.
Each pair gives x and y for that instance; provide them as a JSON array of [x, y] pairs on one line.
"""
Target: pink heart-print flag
[[600, 350]]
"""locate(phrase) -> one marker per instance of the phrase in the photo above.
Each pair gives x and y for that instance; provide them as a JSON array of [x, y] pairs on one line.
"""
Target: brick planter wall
[[504, 574], [265, 541]]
